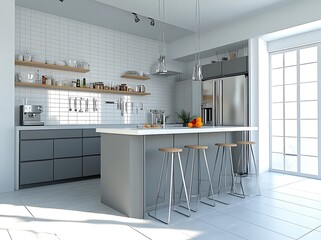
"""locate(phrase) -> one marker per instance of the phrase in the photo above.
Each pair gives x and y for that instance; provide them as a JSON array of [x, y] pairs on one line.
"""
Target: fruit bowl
[[195, 123]]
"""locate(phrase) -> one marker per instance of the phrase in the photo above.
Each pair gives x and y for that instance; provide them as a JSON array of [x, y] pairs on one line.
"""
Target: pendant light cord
[[161, 9]]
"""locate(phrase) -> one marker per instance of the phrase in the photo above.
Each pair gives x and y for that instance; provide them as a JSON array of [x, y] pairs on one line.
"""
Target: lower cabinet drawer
[[36, 172], [67, 168], [91, 165]]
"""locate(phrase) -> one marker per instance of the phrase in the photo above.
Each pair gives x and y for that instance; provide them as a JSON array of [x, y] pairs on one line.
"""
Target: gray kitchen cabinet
[[91, 146], [36, 172], [66, 168], [91, 165], [90, 133], [50, 134], [235, 66], [46, 156], [64, 148], [188, 96], [226, 68], [35, 150], [212, 70]]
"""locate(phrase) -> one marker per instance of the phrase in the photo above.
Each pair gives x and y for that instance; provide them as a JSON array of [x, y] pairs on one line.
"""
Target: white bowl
[[26, 77], [71, 63]]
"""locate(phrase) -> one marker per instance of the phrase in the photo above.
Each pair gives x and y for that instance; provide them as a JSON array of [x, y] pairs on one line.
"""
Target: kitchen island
[[131, 162]]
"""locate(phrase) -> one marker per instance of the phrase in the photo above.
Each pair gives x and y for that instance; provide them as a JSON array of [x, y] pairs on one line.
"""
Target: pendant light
[[161, 65], [197, 71]]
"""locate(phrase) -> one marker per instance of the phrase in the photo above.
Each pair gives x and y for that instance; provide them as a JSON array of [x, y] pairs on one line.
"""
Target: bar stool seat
[[169, 165], [196, 146], [171, 150], [199, 181], [244, 163], [226, 144]]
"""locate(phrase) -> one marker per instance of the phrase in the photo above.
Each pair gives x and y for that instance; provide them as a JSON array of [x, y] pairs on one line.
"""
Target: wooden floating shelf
[[135, 77], [22, 84], [51, 66]]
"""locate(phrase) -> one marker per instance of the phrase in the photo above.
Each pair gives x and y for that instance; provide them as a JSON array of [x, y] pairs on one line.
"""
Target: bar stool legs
[[198, 195], [166, 163], [228, 147], [244, 163]]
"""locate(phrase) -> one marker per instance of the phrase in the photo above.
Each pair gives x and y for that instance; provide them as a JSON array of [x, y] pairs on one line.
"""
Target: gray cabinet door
[[91, 146], [36, 150], [50, 134], [64, 148], [36, 172], [235, 66], [67, 168], [91, 165], [211, 71], [90, 133]]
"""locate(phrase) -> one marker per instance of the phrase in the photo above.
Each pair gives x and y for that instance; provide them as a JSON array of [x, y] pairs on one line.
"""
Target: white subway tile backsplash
[[110, 53]]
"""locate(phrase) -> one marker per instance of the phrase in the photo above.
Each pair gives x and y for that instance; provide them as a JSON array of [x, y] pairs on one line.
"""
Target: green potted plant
[[185, 116]]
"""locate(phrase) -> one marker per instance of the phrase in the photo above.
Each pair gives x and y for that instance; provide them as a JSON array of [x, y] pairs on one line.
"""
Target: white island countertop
[[173, 130]]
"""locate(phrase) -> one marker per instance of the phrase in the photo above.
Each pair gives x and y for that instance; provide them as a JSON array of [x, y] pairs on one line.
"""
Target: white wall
[[290, 15], [110, 53], [7, 22]]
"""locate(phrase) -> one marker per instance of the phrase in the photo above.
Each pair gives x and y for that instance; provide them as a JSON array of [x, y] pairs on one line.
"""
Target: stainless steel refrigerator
[[225, 101]]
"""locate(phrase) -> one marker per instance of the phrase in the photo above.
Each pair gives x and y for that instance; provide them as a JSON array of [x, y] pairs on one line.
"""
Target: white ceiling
[[179, 14]]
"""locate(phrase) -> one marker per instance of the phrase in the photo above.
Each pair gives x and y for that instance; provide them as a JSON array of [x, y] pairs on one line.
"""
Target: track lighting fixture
[[136, 18], [152, 21]]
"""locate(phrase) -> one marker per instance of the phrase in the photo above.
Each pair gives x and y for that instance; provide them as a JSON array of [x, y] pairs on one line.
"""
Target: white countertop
[[173, 130]]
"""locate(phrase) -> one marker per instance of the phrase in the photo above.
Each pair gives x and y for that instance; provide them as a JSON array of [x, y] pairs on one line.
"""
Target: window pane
[[277, 60], [309, 91], [309, 128], [290, 58], [290, 128], [290, 75], [308, 73], [309, 146], [291, 163], [277, 144], [309, 109], [277, 161], [290, 145], [290, 110], [309, 165], [277, 94], [290, 92], [277, 77], [308, 55], [277, 127], [277, 111]]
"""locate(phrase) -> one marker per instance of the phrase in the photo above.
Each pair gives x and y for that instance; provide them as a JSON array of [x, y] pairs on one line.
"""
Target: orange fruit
[[190, 125], [198, 119], [198, 124]]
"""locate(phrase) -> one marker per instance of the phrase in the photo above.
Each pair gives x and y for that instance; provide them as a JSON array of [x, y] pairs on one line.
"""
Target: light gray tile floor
[[289, 207]]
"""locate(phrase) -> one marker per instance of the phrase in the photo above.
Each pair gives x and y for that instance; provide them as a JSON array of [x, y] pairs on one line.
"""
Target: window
[[294, 111]]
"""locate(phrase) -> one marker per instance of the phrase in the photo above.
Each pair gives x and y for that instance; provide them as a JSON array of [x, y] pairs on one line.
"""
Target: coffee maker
[[30, 115]]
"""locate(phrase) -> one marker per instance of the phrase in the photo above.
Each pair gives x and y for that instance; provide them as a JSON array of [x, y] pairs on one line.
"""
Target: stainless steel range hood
[[173, 68]]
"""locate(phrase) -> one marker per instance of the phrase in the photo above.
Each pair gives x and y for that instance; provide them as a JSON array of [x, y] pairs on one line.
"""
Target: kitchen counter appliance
[[30, 115]]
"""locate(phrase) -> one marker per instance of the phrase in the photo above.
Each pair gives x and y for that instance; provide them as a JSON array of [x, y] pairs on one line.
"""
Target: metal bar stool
[[225, 147], [244, 164], [167, 161], [198, 195]]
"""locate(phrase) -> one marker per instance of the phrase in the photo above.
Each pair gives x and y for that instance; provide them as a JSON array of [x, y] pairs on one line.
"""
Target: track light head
[[136, 18], [61, 0], [152, 21]]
